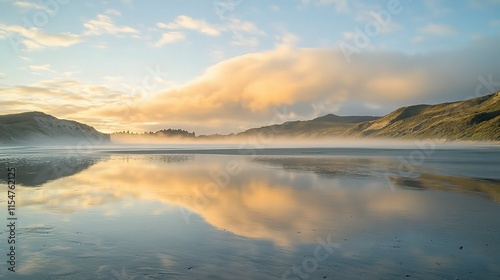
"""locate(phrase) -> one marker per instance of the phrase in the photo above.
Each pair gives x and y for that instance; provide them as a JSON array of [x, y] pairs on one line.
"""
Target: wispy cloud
[[371, 13], [287, 40], [439, 29], [113, 79], [35, 38], [28, 5], [169, 37], [3, 34], [243, 32], [43, 67], [59, 97], [104, 24], [113, 12], [186, 22]]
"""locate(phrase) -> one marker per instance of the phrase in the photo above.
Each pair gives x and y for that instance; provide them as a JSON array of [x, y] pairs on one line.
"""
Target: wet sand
[[279, 214]]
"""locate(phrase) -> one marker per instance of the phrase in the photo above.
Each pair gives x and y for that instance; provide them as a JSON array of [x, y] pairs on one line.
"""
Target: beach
[[295, 213]]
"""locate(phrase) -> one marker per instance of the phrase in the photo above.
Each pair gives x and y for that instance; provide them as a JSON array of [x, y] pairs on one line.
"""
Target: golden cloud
[[247, 88]]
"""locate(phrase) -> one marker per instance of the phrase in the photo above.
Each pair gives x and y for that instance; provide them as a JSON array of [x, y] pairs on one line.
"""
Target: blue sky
[[227, 65]]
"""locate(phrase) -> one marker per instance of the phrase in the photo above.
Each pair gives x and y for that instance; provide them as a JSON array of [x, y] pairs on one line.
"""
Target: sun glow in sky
[[228, 65]]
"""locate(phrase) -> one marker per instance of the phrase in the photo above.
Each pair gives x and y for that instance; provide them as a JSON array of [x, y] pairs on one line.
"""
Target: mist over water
[[259, 142]]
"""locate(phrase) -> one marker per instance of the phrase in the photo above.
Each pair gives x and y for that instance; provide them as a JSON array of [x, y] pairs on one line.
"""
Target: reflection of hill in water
[[489, 188], [161, 158], [327, 166], [38, 169], [386, 167]]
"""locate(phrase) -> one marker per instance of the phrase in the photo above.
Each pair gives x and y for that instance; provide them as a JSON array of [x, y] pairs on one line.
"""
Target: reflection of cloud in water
[[382, 231], [39, 261], [254, 204]]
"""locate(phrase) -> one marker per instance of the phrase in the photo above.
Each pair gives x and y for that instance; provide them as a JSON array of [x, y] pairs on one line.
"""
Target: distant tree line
[[164, 133]]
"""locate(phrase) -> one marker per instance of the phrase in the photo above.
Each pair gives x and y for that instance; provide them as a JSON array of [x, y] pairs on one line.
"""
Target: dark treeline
[[164, 132]]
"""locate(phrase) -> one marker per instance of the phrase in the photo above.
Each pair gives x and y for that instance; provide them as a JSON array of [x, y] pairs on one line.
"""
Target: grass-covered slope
[[40, 128], [473, 119], [329, 125]]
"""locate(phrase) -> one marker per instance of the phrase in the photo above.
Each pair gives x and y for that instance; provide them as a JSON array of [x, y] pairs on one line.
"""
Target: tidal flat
[[295, 213]]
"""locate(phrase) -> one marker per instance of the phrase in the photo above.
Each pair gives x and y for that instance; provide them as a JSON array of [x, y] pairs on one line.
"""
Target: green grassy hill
[[474, 119], [329, 125], [40, 128]]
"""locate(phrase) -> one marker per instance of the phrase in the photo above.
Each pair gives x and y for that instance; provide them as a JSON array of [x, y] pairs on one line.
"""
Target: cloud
[[438, 29], [235, 25], [186, 22], [246, 90], [289, 39], [113, 79], [29, 5], [169, 37], [103, 25], [376, 14], [239, 39], [60, 97], [113, 12], [69, 73], [43, 67], [35, 38], [243, 32], [3, 35]]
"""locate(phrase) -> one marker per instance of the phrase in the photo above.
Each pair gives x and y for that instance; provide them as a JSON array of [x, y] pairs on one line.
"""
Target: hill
[[40, 128], [475, 119], [328, 125]]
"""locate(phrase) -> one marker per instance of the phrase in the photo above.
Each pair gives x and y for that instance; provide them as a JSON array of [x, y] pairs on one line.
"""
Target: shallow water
[[314, 213]]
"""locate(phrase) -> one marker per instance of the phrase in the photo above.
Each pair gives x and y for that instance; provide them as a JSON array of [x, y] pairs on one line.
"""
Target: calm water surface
[[278, 214]]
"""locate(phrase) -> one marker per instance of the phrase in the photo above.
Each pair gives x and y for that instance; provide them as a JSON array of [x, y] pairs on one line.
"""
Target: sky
[[224, 66]]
